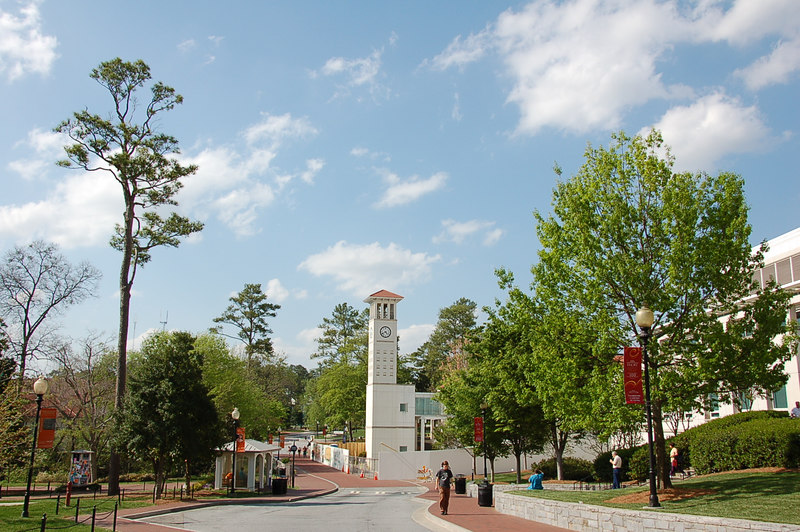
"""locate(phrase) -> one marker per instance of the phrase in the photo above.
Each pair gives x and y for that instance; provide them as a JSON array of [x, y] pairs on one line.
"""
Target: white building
[[782, 263]]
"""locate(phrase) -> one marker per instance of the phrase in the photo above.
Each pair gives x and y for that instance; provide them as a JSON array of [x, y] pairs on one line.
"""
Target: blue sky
[[348, 147]]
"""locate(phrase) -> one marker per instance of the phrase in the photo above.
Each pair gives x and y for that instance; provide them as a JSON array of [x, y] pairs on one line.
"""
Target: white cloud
[[460, 53], [457, 232], [710, 128], [313, 167], [276, 291], [231, 185], [360, 269], [411, 338], [361, 72], [81, 210], [747, 21], [456, 112], [362, 152], [276, 129], [774, 68], [187, 45], [23, 47], [403, 192]]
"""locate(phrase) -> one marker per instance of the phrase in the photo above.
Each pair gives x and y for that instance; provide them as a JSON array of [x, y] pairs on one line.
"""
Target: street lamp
[[644, 319], [235, 418], [484, 406], [293, 448], [39, 388]]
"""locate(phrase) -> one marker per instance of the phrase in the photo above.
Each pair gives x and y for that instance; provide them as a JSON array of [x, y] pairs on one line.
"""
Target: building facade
[[782, 264]]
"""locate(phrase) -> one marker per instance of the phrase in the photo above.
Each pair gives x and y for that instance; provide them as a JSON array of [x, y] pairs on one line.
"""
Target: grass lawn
[[11, 510], [760, 495]]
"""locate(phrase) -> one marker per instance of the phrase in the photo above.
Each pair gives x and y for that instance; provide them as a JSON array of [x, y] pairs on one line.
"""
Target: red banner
[[632, 364], [478, 429], [283, 441], [239, 439], [47, 428], [269, 439]]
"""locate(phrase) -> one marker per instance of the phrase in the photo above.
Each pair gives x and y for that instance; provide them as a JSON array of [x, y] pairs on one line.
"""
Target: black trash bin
[[484, 494], [279, 486], [461, 484]]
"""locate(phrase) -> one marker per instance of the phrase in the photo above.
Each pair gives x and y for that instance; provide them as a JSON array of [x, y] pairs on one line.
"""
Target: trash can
[[461, 484], [484, 494], [279, 486]]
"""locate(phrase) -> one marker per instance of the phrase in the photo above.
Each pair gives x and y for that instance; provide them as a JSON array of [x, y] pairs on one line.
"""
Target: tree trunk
[[518, 456], [125, 283], [662, 460]]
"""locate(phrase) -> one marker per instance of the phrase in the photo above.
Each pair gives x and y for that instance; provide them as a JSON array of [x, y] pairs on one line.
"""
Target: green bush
[[574, 468], [741, 441]]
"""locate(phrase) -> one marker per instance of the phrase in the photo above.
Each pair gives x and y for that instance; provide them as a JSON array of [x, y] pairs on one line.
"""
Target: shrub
[[574, 468], [741, 441]]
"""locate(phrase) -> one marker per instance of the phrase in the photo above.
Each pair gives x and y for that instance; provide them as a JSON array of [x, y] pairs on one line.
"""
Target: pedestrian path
[[316, 480]]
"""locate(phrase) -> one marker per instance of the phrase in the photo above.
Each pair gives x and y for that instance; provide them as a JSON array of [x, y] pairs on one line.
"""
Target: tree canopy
[[142, 161], [170, 415], [626, 231], [248, 313]]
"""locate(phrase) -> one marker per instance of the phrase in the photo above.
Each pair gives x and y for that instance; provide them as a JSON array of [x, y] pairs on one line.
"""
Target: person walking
[[616, 469], [443, 478], [674, 457], [795, 413]]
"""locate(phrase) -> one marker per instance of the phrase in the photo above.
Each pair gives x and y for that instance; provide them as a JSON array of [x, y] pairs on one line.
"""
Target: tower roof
[[383, 294]]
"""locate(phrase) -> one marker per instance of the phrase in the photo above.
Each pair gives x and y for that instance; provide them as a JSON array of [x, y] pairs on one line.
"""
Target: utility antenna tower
[[164, 323]]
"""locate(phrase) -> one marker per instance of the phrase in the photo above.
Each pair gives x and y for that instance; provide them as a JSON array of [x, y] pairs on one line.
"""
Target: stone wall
[[585, 517]]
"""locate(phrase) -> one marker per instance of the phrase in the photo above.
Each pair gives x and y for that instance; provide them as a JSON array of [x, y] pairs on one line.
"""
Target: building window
[[403, 448], [404, 407], [779, 398]]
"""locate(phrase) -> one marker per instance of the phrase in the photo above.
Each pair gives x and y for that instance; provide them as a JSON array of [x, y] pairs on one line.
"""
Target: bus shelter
[[253, 466]]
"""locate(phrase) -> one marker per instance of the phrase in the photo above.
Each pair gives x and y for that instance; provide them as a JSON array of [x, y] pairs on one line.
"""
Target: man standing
[[443, 477], [616, 469], [796, 410]]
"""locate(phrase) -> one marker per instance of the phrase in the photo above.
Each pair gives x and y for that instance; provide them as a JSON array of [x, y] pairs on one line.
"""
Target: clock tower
[[390, 406]]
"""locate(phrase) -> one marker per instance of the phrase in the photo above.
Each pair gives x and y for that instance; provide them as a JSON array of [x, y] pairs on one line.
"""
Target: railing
[[361, 465]]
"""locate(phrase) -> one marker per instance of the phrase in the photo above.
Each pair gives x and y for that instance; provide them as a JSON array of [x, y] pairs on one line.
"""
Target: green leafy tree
[[344, 337], [170, 415], [569, 362], [247, 314], [626, 231], [142, 161], [231, 385], [338, 396], [463, 393], [13, 432], [445, 344], [38, 283], [499, 358]]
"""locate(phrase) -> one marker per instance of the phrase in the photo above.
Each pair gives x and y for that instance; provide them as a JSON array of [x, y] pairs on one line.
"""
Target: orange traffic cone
[[362, 474], [376, 476]]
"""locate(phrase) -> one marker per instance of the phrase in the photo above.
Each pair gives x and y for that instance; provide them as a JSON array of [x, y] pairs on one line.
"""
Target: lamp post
[[235, 418], [293, 448], [644, 319], [484, 406], [39, 388]]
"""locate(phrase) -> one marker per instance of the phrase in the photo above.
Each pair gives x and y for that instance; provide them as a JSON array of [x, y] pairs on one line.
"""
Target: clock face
[[386, 332]]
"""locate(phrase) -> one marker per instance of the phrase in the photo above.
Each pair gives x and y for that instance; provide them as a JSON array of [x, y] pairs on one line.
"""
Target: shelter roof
[[251, 446]]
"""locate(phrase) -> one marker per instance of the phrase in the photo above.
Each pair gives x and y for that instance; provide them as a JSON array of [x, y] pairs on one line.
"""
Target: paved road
[[380, 509]]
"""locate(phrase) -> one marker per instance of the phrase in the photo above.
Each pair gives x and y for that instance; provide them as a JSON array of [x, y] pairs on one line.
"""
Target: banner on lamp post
[[632, 373], [47, 428], [479, 429], [239, 439]]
